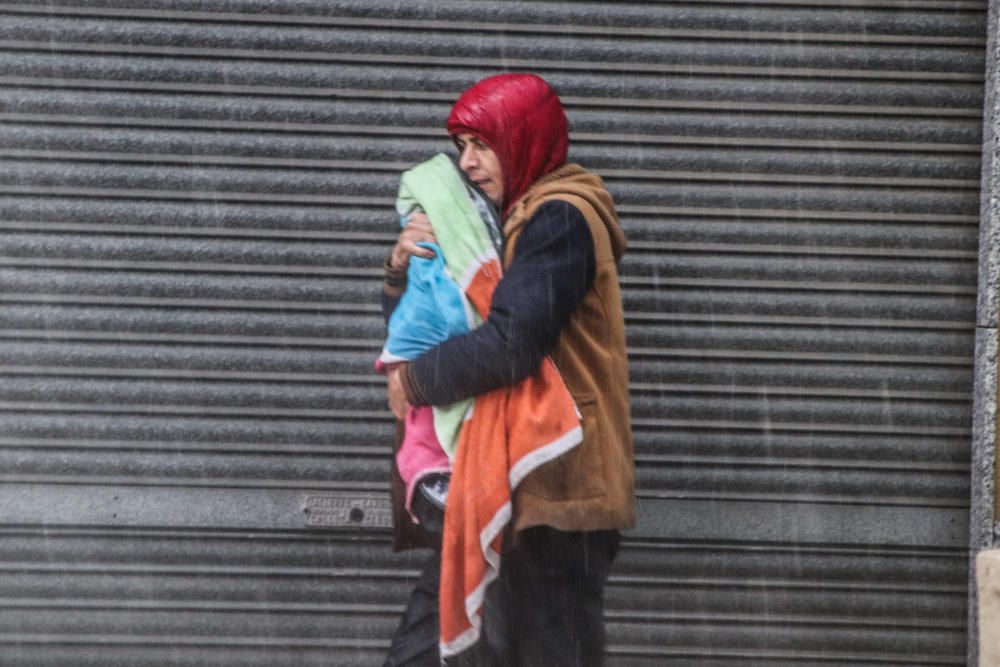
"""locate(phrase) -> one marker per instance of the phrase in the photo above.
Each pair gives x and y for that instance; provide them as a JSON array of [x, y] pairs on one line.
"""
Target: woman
[[558, 299]]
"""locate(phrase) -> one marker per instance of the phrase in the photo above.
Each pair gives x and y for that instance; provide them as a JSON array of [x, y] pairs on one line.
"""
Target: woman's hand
[[397, 395], [417, 230]]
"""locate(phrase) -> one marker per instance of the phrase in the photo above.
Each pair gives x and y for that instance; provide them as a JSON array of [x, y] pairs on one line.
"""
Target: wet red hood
[[521, 118]]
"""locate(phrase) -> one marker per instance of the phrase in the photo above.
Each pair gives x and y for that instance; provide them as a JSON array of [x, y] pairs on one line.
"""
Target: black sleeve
[[553, 267]]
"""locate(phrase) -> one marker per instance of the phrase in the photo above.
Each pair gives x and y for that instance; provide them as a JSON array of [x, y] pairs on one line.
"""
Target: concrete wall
[[984, 603], [988, 575]]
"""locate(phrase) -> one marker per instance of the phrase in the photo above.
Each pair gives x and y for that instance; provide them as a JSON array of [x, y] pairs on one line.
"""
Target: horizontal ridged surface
[[296, 599], [195, 202]]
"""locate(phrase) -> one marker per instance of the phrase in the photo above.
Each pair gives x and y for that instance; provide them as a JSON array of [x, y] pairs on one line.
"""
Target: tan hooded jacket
[[592, 487]]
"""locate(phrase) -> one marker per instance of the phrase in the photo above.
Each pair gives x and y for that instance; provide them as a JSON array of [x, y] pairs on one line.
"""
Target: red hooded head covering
[[520, 117]]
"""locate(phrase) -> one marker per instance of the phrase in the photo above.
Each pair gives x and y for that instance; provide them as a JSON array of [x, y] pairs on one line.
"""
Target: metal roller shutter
[[194, 203]]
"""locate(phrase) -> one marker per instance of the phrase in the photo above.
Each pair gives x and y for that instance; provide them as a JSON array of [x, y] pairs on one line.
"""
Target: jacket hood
[[568, 183], [521, 119]]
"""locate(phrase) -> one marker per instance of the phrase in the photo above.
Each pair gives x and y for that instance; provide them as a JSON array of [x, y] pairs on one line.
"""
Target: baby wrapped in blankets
[[435, 307]]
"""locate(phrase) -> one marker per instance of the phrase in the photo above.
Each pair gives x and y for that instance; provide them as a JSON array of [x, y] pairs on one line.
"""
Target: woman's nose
[[467, 159]]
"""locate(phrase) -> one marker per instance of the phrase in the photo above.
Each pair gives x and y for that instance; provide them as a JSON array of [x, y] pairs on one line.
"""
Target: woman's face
[[481, 165]]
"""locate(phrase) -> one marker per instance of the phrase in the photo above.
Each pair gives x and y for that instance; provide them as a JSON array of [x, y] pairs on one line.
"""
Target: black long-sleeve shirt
[[552, 269]]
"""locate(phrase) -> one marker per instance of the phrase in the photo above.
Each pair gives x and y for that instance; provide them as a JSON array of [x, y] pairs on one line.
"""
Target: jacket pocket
[[579, 473]]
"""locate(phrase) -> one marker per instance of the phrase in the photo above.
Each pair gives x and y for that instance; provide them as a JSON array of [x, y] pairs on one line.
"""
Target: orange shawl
[[510, 432]]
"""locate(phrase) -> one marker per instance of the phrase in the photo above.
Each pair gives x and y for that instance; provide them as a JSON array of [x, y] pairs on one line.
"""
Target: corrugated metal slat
[[195, 203]]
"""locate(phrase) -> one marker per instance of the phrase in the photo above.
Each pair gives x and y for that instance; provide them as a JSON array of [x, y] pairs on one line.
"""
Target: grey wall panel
[[195, 200], [301, 593]]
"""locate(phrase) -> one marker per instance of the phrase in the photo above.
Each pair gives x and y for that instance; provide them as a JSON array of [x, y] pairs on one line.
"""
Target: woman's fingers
[[417, 230], [420, 223], [397, 395], [403, 249]]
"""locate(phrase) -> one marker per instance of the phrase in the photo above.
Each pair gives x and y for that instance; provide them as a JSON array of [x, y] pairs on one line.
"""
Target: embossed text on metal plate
[[347, 509]]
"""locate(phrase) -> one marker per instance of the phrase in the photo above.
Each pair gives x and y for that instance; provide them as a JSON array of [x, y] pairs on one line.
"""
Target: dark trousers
[[544, 610]]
